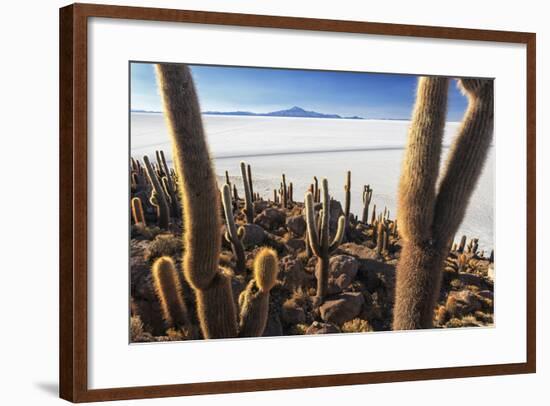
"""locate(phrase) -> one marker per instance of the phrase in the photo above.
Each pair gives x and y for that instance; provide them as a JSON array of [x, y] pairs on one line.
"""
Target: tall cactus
[[429, 215], [168, 290], [248, 204], [318, 237], [200, 199], [231, 234], [254, 300]]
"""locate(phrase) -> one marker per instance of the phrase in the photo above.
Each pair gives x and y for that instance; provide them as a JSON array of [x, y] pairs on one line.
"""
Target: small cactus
[[248, 204], [347, 204], [137, 211], [373, 217], [250, 184], [158, 196], [254, 300], [318, 237], [284, 192], [367, 196], [227, 182], [316, 192], [462, 244], [231, 234], [168, 291]]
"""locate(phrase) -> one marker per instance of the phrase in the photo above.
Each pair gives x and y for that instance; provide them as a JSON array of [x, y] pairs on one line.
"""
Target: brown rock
[[342, 272], [322, 328], [253, 235], [292, 312], [296, 245], [291, 273], [270, 218], [465, 301], [296, 225], [342, 308]]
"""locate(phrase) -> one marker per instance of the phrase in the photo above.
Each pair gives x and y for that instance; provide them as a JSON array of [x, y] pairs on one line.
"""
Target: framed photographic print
[[256, 202]]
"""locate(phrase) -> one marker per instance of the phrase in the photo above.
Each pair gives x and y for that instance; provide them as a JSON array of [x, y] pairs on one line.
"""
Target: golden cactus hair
[[429, 213], [266, 268], [200, 200], [137, 211], [254, 300], [168, 291]]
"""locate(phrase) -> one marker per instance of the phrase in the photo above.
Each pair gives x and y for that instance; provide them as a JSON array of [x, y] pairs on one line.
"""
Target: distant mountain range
[[292, 112]]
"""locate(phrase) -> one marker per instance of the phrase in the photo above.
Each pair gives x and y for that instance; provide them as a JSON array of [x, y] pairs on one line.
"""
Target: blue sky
[[261, 90]]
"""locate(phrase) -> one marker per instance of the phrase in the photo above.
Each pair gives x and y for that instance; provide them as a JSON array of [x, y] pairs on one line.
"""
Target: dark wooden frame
[[73, 201]]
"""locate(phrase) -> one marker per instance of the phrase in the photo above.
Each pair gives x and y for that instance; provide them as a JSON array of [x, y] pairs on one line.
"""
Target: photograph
[[268, 202]]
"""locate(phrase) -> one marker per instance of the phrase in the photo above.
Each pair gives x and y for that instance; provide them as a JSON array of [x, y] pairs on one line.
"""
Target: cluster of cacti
[[153, 192], [319, 238], [429, 213]]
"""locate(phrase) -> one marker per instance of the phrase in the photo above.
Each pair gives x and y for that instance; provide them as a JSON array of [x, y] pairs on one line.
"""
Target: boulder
[[296, 225], [270, 218], [342, 272], [254, 235], [296, 245], [291, 273], [260, 205], [335, 213], [341, 308]]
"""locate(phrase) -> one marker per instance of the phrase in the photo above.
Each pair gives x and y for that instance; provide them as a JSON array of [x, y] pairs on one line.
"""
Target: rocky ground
[[361, 281]]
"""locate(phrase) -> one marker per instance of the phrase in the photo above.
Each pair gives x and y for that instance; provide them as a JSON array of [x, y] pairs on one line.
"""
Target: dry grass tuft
[[356, 326]]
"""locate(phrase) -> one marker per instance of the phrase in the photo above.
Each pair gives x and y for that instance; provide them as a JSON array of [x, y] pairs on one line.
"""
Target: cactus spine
[[168, 290], [318, 237], [231, 234], [427, 219], [200, 197], [254, 300], [158, 198], [248, 205], [137, 211]]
